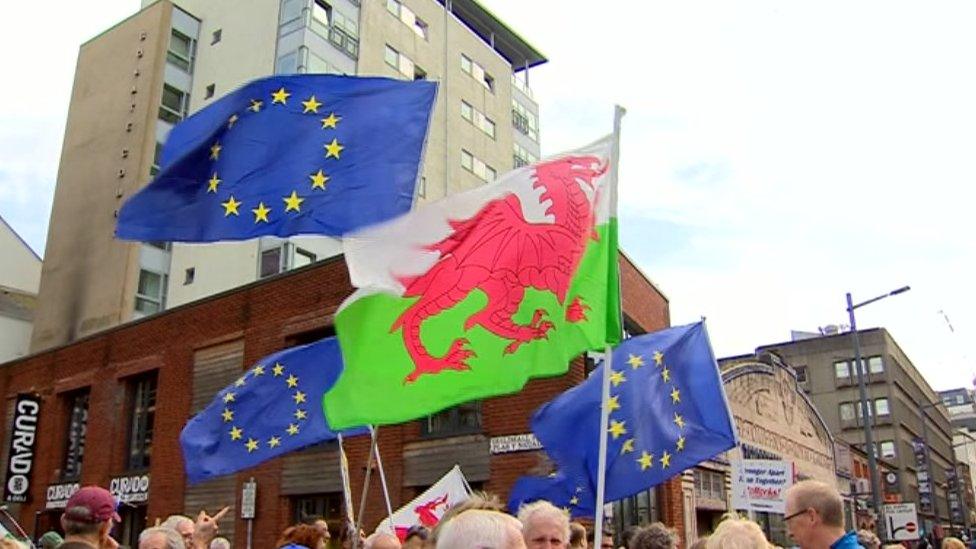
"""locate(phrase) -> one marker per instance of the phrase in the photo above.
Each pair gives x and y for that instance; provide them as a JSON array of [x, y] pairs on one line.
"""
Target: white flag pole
[[601, 472], [386, 491], [346, 486]]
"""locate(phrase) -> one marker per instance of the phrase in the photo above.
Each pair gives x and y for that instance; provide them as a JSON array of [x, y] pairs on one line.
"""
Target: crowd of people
[[814, 518]]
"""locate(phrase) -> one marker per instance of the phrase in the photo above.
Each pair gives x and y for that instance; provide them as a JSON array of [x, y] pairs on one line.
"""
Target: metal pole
[[250, 533], [868, 434], [386, 490], [362, 500], [601, 468]]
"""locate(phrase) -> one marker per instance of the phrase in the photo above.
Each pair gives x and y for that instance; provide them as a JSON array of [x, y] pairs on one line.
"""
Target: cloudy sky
[[775, 154]]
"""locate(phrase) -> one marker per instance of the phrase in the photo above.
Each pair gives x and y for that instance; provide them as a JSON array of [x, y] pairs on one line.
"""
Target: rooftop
[[496, 34]]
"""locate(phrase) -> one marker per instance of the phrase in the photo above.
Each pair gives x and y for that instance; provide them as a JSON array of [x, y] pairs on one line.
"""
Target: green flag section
[[473, 295]]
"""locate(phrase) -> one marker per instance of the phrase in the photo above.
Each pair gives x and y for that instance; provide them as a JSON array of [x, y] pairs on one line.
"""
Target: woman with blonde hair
[[953, 543], [737, 533]]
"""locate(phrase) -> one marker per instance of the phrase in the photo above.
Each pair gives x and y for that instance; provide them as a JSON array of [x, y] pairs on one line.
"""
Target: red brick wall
[[265, 314]]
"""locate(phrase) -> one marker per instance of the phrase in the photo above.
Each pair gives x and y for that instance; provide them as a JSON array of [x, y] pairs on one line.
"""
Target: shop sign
[[23, 435], [761, 484], [130, 489], [514, 443], [58, 495]]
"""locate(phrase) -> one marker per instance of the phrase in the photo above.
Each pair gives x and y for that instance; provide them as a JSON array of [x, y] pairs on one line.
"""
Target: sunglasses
[[787, 518]]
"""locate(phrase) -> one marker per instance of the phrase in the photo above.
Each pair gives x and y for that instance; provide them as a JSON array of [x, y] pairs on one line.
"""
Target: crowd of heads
[[814, 517]]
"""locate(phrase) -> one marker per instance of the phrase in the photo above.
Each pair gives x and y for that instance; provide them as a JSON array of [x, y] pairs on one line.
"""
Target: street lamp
[[862, 387]]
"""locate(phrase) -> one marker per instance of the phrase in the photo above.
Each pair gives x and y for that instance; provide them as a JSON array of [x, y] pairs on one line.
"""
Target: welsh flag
[[471, 296], [428, 508]]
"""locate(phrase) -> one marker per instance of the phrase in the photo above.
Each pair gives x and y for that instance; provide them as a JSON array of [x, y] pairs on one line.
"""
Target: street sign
[[902, 521], [248, 495]]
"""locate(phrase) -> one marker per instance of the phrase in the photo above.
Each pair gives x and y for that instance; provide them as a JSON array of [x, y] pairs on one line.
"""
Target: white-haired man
[[481, 529], [160, 537], [815, 517], [544, 526]]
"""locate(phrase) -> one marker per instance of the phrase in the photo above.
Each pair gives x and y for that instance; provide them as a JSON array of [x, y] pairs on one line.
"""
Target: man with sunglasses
[[815, 517]]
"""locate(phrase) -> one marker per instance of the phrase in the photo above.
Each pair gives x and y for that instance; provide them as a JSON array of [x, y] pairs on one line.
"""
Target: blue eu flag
[[667, 407], [286, 155], [569, 489], [272, 409]]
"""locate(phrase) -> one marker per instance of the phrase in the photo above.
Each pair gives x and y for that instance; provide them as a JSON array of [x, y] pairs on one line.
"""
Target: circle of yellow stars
[[618, 429], [229, 397], [263, 213]]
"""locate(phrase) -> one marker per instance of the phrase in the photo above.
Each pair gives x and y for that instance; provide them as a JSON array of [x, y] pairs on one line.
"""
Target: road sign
[[248, 494], [902, 521]]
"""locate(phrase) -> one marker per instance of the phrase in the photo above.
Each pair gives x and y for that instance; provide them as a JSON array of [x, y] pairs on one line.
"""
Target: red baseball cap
[[99, 502]]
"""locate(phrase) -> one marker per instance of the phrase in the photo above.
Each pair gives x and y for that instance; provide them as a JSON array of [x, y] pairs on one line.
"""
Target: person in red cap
[[88, 518]]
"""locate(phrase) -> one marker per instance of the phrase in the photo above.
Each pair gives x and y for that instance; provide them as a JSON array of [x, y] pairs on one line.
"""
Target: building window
[[422, 187], [180, 51], [210, 91], [887, 448], [522, 157], [282, 258], [710, 484], [842, 370], [477, 72], [474, 165], [143, 412], [881, 407], [321, 14], [151, 293], [217, 35], [403, 64], [341, 31], [465, 64], [77, 427], [478, 119], [801, 374], [407, 17], [458, 420], [847, 411], [188, 275], [875, 365], [133, 523], [525, 121], [314, 506], [154, 169], [271, 262], [173, 106]]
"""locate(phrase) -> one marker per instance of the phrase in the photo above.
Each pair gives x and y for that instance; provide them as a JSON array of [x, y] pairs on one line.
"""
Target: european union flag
[[567, 489], [287, 155], [273, 409], [667, 407]]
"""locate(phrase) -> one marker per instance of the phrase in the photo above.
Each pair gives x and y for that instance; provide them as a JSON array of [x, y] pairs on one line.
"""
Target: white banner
[[761, 484], [901, 521], [428, 508]]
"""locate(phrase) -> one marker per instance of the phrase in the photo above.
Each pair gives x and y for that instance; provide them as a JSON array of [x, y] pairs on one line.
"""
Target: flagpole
[[601, 471], [346, 487], [386, 490], [362, 500]]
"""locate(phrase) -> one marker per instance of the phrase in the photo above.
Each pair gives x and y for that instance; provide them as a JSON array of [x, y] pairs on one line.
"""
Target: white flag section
[[428, 508]]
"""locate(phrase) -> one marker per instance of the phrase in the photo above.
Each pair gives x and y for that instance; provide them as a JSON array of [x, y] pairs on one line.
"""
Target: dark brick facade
[[268, 316]]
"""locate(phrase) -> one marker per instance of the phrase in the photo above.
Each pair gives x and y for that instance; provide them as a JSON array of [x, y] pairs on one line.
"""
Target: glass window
[[393, 7], [321, 13], [490, 174], [846, 411], [467, 160], [270, 262], [291, 10], [875, 365], [887, 449], [189, 275], [217, 35], [326, 506], [465, 418], [151, 292], [287, 63], [391, 57], [465, 64], [801, 374], [860, 413], [881, 406], [143, 413], [133, 523], [406, 66], [77, 428], [180, 51], [522, 157], [489, 127], [466, 111], [525, 121], [842, 369]]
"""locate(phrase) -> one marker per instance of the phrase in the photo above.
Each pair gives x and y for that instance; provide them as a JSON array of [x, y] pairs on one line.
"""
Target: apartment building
[[20, 274], [911, 428], [138, 79]]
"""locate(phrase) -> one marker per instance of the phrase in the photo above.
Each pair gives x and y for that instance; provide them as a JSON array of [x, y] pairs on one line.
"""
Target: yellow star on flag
[[261, 213], [628, 446], [259, 370], [680, 444], [236, 433], [666, 375], [278, 370], [292, 429], [255, 105], [230, 121], [679, 421], [613, 403], [635, 361], [230, 207], [229, 397], [299, 397], [293, 202], [617, 428], [330, 121], [675, 395], [274, 442], [212, 183], [280, 96], [658, 358], [574, 500], [228, 415], [292, 381], [318, 180], [665, 459], [333, 149], [646, 460], [311, 105], [239, 382], [215, 151], [301, 414], [617, 378], [251, 444]]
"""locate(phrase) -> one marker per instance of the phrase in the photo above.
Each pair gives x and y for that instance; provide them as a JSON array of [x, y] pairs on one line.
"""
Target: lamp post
[[862, 388]]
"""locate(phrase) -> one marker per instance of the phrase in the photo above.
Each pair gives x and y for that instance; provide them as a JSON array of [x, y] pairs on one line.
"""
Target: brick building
[[112, 406]]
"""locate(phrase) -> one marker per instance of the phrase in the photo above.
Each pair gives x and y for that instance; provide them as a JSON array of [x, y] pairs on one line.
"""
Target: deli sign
[[23, 436]]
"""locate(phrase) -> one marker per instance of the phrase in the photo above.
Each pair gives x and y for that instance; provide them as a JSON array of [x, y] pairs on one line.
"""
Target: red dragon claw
[[454, 359], [576, 312]]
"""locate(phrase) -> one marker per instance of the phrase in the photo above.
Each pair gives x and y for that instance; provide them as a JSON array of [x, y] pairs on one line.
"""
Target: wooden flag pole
[[362, 500], [386, 491], [346, 489]]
